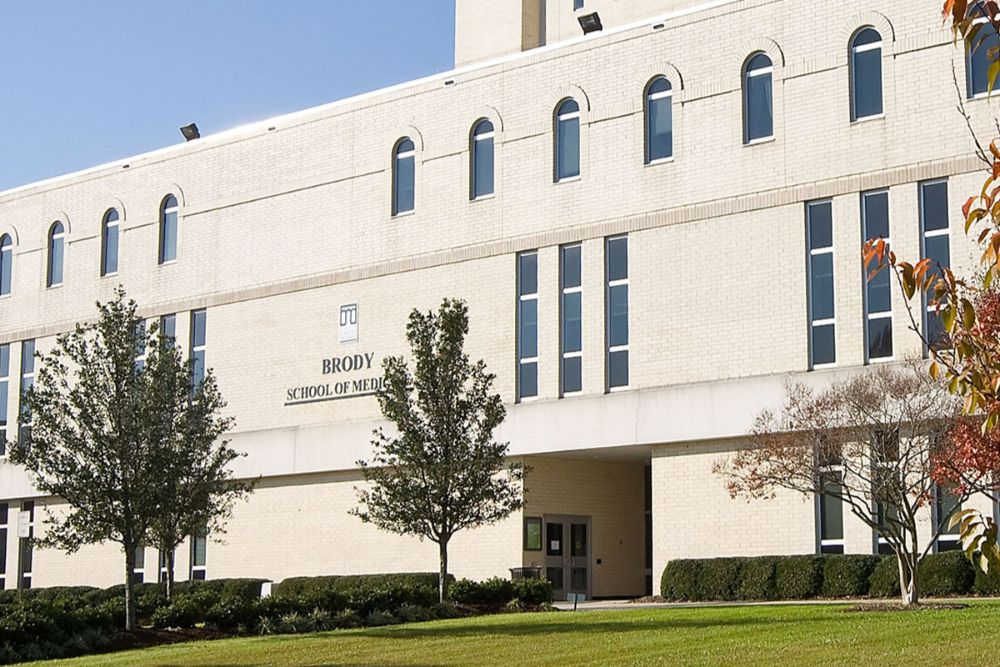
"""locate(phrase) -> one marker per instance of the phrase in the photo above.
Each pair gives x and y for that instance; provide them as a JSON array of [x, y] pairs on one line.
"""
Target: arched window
[[6, 257], [482, 159], [403, 176], [977, 53], [109, 243], [866, 74], [567, 140], [758, 99], [57, 240], [659, 120], [168, 229]]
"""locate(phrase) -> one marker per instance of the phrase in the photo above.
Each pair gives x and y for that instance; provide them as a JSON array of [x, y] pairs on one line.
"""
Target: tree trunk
[[443, 572], [908, 577], [130, 612], [170, 573]]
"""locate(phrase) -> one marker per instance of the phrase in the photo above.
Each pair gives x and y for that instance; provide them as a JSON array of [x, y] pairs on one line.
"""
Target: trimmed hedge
[[295, 586], [810, 576], [499, 592]]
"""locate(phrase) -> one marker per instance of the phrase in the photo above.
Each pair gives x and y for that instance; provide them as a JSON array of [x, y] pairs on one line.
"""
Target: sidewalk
[[619, 605]]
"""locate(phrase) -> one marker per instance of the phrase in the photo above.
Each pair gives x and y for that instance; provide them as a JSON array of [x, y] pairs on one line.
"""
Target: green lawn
[[762, 635]]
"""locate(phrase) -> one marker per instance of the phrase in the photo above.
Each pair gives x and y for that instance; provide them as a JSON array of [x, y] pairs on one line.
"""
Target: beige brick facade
[[283, 222]]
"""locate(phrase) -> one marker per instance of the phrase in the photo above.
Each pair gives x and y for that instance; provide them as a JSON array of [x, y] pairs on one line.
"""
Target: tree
[[969, 355], [199, 489], [441, 471], [870, 441], [103, 431]]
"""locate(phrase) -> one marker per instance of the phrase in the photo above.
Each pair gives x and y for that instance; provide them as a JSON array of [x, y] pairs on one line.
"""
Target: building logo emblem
[[348, 323]]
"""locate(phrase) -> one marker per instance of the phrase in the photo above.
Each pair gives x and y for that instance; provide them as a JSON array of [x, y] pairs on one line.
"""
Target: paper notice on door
[[553, 545]]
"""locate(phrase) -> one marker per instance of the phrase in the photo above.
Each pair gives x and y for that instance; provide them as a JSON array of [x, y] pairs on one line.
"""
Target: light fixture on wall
[[191, 132], [590, 22]]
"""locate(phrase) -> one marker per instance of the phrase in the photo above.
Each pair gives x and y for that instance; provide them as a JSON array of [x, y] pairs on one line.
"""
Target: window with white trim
[[140, 346], [4, 514], [109, 243], [198, 331], [946, 504], [168, 328], [199, 558], [936, 246], [4, 394], [977, 53], [831, 510], [27, 382], [26, 551], [659, 120], [527, 325], [6, 263], [567, 146], [616, 271], [866, 74], [822, 323], [482, 159], [404, 158], [571, 319], [878, 289], [139, 565], [56, 253], [758, 99], [168, 229]]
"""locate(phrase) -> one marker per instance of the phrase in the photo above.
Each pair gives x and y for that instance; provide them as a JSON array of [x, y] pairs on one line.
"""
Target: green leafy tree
[[199, 489], [441, 471], [101, 431]]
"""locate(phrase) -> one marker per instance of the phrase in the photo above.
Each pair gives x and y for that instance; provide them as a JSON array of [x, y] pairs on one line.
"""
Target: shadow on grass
[[424, 631]]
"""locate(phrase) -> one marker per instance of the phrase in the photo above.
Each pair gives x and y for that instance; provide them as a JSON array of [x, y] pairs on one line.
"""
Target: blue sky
[[83, 83]]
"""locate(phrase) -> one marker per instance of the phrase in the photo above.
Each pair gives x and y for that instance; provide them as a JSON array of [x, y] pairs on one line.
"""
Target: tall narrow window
[[198, 323], [139, 565], [168, 328], [4, 514], [946, 504], [758, 99], [571, 324], [4, 393], [935, 246], [616, 269], [819, 223], [482, 159], [140, 346], [977, 54], [403, 175], [831, 511], [659, 120], [878, 290], [527, 325], [168, 229], [27, 382], [6, 263], [25, 551], [109, 243], [57, 240], [199, 557], [866, 74], [567, 140]]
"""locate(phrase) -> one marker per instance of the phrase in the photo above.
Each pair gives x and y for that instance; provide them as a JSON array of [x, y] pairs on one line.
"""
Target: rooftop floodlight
[[590, 22], [191, 132]]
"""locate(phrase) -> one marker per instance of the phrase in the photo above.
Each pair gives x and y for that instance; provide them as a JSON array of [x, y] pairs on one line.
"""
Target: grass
[[760, 635]]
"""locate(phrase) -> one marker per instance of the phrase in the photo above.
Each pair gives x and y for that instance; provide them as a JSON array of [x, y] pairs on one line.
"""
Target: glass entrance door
[[567, 555]]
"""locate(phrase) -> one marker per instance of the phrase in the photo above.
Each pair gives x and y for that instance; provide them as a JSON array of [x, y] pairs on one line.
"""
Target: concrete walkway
[[621, 605]]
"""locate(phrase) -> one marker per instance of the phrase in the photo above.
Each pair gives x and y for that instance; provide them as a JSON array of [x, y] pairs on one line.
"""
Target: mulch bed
[[147, 637]]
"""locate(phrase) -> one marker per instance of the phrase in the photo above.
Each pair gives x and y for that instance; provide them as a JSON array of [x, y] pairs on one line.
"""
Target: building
[[654, 225]]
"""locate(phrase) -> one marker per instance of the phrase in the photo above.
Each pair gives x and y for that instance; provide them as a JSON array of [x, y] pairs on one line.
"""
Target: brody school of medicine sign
[[343, 382]]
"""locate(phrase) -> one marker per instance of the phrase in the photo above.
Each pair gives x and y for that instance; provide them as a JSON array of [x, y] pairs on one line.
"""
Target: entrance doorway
[[567, 554]]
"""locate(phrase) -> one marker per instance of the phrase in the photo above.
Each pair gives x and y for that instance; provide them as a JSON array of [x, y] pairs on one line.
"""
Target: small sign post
[[575, 598]]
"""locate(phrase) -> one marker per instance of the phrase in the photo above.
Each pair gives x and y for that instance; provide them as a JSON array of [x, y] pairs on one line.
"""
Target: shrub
[[987, 584], [182, 612], [884, 582], [798, 577], [757, 579], [494, 592], [848, 575], [233, 613], [719, 579], [533, 592], [681, 580], [296, 586], [948, 573]]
